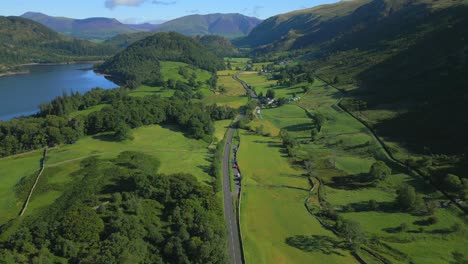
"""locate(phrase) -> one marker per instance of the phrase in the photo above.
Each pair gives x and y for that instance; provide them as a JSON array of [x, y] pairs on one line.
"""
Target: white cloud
[[111, 4]]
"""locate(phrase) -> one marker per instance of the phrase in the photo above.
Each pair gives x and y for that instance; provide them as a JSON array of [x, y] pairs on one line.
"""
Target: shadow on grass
[[300, 127], [351, 182], [385, 207], [316, 243], [108, 137]]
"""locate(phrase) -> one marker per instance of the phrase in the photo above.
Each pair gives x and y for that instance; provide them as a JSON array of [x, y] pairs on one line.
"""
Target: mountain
[[219, 45], [404, 57], [122, 41], [25, 41], [97, 28], [140, 62], [228, 25]]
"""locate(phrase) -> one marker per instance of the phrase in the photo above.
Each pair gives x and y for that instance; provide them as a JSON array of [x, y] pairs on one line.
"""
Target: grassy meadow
[[177, 153], [342, 155]]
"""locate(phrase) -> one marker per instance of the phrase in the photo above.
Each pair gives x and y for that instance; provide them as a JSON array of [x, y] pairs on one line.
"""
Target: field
[[234, 94], [275, 225], [342, 154], [12, 169], [261, 84], [177, 153], [170, 70], [349, 146]]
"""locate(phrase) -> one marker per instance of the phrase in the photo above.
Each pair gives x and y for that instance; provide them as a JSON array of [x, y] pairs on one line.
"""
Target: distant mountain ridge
[[25, 41], [101, 28], [227, 25], [95, 28]]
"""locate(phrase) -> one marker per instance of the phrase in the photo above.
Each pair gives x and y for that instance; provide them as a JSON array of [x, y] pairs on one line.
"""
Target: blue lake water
[[22, 94]]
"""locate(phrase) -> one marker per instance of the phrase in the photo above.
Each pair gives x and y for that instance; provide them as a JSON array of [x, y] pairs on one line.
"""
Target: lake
[[23, 93]]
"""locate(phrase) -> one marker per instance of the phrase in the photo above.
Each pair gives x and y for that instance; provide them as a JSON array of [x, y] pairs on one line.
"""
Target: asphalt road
[[229, 210]]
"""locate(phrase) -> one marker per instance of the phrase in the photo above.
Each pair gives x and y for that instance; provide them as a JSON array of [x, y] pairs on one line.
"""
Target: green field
[[177, 153], [234, 96], [261, 84], [12, 169], [87, 111], [350, 149], [273, 209], [170, 70]]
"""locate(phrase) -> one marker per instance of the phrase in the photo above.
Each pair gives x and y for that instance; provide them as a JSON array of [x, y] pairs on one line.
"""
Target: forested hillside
[[123, 211], [25, 41], [140, 62]]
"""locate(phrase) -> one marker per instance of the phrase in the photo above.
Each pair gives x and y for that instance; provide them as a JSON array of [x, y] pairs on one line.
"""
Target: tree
[[453, 183], [123, 132], [352, 231], [309, 166], [82, 224], [313, 134], [270, 93], [319, 119], [407, 199], [379, 171], [336, 79], [373, 205]]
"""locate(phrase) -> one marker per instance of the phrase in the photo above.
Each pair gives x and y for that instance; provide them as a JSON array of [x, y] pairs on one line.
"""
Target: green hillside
[[228, 25], [25, 41], [140, 62], [124, 40], [406, 57]]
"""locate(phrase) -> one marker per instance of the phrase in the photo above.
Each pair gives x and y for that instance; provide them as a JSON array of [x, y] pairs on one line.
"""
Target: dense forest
[[140, 62], [25, 41], [52, 125], [123, 211], [220, 46]]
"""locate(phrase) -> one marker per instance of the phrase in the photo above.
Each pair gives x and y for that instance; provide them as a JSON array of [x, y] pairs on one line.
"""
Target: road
[[246, 86], [229, 210]]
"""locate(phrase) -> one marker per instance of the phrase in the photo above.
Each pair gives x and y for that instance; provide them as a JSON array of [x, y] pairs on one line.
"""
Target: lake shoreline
[[10, 73]]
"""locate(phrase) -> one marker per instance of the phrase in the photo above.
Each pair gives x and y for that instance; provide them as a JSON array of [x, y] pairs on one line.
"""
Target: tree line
[[53, 126]]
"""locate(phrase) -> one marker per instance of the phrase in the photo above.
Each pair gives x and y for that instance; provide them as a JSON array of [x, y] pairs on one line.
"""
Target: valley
[[331, 134]]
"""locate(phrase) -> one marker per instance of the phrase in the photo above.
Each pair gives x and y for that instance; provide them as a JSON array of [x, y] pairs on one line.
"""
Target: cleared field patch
[[12, 170], [261, 84], [275, 225], [145, 90], [220, 129], [177, 154], [234, 94], [170, 70], [88, 111], [291, 118]]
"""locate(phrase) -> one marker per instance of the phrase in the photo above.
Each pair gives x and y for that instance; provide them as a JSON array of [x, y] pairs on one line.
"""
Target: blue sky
[[131, 11]]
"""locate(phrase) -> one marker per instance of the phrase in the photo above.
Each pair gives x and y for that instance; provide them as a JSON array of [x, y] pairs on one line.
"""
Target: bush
[[373, 205], [379, 171], [432, 220]]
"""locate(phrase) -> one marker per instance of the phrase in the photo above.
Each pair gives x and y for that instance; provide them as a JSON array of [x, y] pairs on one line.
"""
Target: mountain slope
[[98, 28], [140, 62], [228, 25], [25, 41], [407, 58]]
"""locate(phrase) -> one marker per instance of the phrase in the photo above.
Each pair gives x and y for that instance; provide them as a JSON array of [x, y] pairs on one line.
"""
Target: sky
[[137, 11]]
